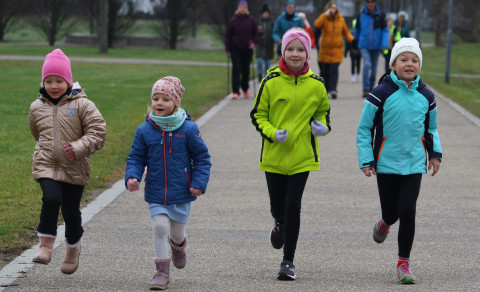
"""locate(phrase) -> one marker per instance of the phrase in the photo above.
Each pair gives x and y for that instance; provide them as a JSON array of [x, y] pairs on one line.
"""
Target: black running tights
[[285, 193], [398, 200]]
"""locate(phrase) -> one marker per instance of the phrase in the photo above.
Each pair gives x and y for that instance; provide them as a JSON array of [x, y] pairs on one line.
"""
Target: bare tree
[[121, 17], [169, 20], [52, 17], [8, 9]]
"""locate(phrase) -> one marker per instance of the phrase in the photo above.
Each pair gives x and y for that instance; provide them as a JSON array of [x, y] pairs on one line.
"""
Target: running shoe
[[287, 271], [277, 235], [404, 274], [380, 231]]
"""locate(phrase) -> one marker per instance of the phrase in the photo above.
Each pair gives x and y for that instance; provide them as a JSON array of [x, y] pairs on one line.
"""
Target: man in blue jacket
[[371, 31]]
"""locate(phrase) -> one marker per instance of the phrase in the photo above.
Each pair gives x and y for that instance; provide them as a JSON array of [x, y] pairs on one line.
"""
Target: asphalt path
[[228, 229]]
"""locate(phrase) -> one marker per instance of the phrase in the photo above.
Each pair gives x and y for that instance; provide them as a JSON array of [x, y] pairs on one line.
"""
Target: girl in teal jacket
[[397, 140], [291, 110]]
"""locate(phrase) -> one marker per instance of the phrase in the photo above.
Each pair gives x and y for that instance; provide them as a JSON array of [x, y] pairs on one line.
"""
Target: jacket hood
[[365, 9]]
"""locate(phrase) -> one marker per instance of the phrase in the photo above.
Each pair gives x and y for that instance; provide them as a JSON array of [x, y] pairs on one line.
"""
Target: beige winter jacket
[[75, 120]]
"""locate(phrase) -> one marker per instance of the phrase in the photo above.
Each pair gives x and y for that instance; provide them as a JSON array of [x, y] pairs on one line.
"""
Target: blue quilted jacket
[[175, 162]]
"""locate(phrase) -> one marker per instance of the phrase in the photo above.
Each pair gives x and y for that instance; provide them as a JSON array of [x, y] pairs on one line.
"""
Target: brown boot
[[162, 276], [44, 253], [179, 256], [72, 255]]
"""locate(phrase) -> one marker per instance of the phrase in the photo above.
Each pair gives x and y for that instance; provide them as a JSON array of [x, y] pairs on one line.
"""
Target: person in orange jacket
[[330, 52]]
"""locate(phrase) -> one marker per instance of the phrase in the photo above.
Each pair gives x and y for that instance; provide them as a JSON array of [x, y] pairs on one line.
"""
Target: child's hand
[[318, 129], [435, 163], [196, 192], [133, 184], [368, 171], [281, 135], [69, 151]]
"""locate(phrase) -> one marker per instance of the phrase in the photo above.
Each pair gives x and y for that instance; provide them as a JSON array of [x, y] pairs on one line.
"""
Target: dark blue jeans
[[59, 195], [286, 193]]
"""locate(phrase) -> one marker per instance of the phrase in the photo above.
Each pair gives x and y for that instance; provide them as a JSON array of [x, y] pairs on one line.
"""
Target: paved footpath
[[228, 231]]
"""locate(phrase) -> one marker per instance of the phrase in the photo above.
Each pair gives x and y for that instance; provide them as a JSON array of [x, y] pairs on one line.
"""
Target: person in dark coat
[[240, 40], [264, 47]]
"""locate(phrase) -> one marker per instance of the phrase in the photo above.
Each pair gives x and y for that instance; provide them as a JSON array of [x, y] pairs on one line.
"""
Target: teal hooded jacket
[[290, 103], [397, 133]]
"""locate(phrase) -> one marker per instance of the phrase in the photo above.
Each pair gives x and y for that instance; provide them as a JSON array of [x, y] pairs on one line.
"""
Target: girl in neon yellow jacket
[[291, 110]]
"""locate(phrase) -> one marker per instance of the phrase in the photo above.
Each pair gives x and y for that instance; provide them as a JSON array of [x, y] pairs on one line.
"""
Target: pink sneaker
[[380, 231], [404, 274]]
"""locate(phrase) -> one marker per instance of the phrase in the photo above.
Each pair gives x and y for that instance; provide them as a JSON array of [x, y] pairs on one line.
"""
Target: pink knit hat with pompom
[[57, 63], [171, 87]]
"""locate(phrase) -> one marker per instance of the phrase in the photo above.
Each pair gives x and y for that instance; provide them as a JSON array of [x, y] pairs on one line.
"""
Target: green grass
[[23, 32], [464, 60], [122, 94], [93, 52]]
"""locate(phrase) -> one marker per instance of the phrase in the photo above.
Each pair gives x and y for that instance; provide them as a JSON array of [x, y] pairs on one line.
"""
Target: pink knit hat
[[57, 63], [296, 33], [171, 87]]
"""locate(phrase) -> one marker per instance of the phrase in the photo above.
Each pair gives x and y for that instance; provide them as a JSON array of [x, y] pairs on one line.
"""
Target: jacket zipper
[[188, 178], [164, 166]]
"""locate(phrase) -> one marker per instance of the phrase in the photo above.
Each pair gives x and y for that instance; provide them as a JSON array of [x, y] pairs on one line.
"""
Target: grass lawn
[[464, 60], [122, 94]]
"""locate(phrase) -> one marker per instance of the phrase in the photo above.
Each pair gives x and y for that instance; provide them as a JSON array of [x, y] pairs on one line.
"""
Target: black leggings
[[398, 200], [66, 196], [285, 193]]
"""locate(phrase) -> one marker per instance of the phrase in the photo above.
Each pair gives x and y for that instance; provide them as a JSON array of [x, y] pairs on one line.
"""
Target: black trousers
[[398, 200], [329, 72], [241, 60], [286, 193], [66, 196]]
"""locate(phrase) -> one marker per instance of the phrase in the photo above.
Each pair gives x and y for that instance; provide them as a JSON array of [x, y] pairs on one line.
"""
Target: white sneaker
[[354, 78], [358, 77]]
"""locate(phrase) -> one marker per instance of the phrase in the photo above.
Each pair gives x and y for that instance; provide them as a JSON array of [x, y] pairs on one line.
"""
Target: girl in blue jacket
[[397, 140], [178, 165]]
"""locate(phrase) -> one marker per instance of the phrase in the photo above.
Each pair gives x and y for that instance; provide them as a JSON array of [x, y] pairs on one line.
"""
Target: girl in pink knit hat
[[68, 129], [178, 165], [291, 111]]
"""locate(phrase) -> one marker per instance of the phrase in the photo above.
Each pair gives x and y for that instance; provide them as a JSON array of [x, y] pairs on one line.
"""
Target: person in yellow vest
[[401, 29], [387, 52]]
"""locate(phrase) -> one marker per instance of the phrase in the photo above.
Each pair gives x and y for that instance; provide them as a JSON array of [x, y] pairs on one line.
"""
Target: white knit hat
[[406, 45]]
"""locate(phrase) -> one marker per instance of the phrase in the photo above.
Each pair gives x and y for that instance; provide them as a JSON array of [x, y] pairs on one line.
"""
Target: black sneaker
[[287, 271], [277, 235]]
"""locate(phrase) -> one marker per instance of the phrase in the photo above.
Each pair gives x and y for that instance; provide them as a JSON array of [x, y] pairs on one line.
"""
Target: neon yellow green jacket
[[291, 103]]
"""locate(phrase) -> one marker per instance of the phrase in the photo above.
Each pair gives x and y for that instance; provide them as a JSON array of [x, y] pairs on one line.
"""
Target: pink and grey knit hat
[[171, 87], [57, 63], [296, 33]]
